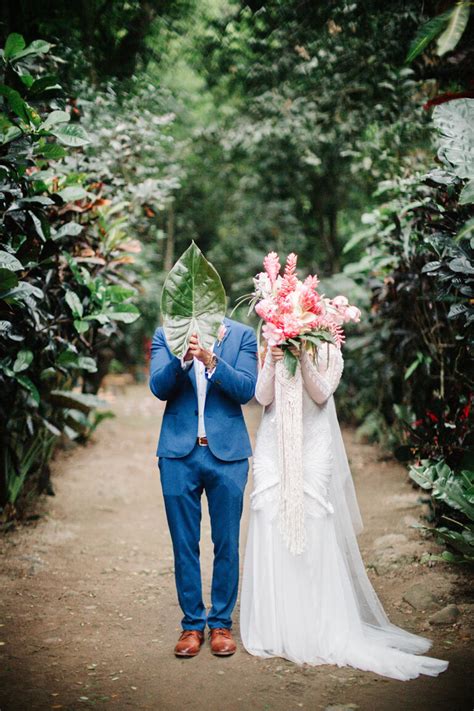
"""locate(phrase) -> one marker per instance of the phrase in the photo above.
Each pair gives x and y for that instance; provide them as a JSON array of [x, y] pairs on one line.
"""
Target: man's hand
[[195, 351]]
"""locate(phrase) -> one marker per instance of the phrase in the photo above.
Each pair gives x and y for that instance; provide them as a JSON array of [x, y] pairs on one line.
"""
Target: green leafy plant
[[453, 491], [62, 292], [455, 123]]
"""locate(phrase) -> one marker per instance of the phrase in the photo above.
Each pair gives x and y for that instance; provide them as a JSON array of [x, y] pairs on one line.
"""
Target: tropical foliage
[[341, 131], [62, 291]]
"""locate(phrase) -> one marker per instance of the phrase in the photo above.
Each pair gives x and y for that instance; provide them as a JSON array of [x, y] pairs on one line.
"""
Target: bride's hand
[[296, 350], [277, 353]]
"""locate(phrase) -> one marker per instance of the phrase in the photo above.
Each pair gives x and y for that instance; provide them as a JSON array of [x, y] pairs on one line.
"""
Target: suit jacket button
[[195, 412]]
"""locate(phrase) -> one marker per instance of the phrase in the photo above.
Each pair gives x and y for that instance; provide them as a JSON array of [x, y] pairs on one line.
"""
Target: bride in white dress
[[317, 606]]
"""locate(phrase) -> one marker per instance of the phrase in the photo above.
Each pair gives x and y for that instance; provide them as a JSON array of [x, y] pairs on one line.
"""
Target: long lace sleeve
[[321, 377], [265, 389]]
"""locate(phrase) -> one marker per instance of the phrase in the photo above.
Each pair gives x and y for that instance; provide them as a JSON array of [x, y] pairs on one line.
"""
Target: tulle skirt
[[303, 607]]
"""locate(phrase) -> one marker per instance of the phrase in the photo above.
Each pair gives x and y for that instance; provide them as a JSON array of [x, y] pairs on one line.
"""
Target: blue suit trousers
[[183, 481]]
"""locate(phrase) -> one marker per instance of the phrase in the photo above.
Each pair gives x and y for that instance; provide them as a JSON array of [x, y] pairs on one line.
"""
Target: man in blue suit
[[204, 446]]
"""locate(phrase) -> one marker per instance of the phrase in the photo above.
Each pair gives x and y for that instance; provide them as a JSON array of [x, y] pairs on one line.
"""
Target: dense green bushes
[[417, 346], [288, 126], [63, 288]]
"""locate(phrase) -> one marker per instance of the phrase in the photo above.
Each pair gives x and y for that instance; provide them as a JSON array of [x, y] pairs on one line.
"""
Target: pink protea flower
[[292, 325], [273, 334], [285, 304], [266, 309], [272, 265]]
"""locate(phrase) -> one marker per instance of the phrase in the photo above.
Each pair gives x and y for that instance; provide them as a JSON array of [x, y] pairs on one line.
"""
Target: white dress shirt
[[201, 387]]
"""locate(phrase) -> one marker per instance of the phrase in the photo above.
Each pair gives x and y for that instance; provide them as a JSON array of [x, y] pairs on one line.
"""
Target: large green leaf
[[23, 360], [53, 119], [36, 47], [467, 193], [14, 44], [77, 401], [193, 300], [70, 134]]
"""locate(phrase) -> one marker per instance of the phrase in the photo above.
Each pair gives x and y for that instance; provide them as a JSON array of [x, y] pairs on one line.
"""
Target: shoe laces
[[188, 633], [221, 631]]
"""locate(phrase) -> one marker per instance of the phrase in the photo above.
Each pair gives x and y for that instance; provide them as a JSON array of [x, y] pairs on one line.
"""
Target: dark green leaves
[[16, 49], [290, 361], [448, 27], [14, 44], [61, 293], [193, 300], [426, 33]]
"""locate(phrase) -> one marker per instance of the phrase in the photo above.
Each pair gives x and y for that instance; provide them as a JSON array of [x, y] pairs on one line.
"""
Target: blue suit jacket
[[231, 385]]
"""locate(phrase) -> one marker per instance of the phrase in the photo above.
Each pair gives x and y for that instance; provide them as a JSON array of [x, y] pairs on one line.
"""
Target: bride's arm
[[321, 377], [265, 388]]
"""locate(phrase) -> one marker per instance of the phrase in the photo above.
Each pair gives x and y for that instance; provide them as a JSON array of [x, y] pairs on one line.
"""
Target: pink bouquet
[[293, 311]]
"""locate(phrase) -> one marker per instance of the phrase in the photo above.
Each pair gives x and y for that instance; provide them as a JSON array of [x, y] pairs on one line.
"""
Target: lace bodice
[[321, 377]]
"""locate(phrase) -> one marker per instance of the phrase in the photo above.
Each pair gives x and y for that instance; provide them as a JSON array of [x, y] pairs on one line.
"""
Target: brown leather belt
[[202, 441]]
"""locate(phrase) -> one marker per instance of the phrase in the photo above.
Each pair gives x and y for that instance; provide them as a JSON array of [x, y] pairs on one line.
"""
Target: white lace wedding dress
[[318, 606]]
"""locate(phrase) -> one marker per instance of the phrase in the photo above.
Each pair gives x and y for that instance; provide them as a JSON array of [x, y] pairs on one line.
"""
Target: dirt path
[[89, 615]]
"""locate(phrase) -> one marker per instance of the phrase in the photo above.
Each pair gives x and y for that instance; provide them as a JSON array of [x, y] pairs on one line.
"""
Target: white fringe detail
[[289, 418]]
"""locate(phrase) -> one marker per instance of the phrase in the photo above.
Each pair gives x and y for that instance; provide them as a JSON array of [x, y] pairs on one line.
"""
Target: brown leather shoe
[[222, 642], [189, 643]]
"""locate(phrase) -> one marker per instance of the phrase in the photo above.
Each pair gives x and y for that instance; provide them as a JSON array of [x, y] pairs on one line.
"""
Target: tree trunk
[[169, 254], [326, 219], [332, 238]]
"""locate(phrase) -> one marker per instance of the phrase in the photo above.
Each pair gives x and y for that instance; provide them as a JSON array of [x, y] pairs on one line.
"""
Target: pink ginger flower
[[272, 266], [290, 267], [311, 281], [337, 333], [309, 299], [290, 280]]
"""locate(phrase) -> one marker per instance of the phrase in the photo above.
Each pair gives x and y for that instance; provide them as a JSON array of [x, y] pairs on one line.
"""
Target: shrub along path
[[89, 614]]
